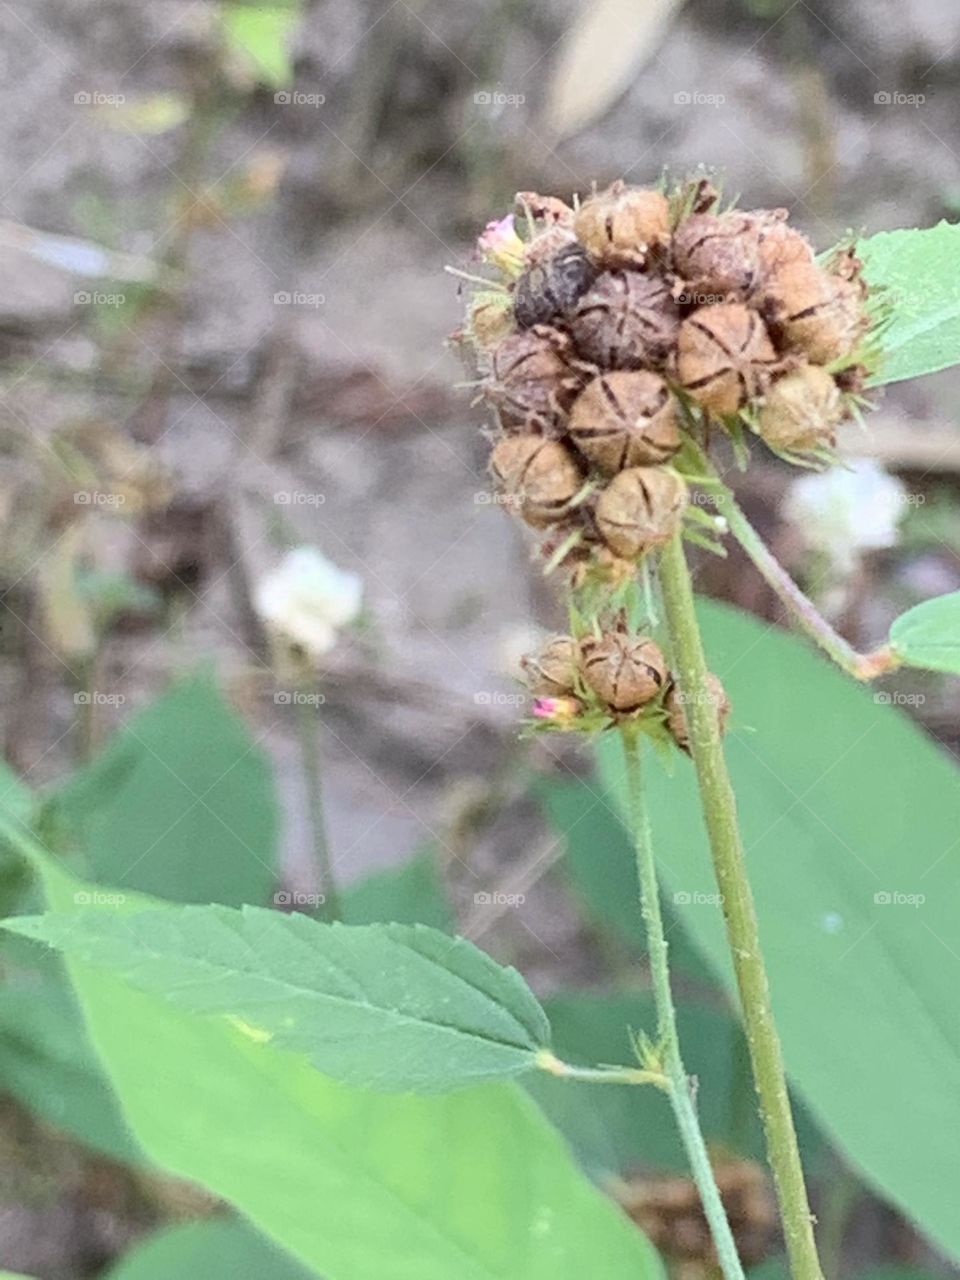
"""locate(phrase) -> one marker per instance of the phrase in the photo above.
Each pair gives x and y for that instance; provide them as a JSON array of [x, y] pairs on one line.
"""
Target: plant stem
[[719, 808], [308, 723], [862, 666], [680, 1091], [546, 1061]]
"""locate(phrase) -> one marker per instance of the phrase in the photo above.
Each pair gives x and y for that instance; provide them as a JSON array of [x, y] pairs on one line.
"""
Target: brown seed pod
[[623, 226], [814, 312], [675, 704], [780, 244], [801, 410], [551, 285], [724, 356], [553, 671], [624, 671], [532, 383], [537, 477], [625, 419], [625, 321], [640, 508], [717, 254]]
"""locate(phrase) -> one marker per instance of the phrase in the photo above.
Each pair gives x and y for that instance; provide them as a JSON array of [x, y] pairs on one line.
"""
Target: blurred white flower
[[846, 511], [307, 599]]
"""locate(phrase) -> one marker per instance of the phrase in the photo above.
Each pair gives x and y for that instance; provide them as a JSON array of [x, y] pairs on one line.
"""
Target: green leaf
[[918, 270], [47, 1063], [391, 1007], [217, 1249], [928, 635], [260, 33], [409, 894], [601, 865], [179, 804], [359, 1186], [849, 816]]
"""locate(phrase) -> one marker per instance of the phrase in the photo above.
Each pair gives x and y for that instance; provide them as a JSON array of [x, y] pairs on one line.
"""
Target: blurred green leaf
[[216, 1249], [601, 865], [260, 33], [391, 1007], [917, 268], [928, 635], [849, 817], [179, 803], [900, 1271], [408, 894], [360, 1186]]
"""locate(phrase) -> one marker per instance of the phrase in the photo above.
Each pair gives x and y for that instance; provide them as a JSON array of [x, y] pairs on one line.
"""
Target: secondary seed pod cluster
[[614, 671], [638, 314]]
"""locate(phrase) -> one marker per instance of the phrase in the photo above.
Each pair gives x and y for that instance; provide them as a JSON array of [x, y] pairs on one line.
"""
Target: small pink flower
[[558, 711], [501, 247]]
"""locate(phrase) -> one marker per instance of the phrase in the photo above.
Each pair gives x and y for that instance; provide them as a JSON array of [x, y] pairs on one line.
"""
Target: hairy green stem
[[680, 1087], [554, 1066], [308, 723], [719, 808], [862, 666]]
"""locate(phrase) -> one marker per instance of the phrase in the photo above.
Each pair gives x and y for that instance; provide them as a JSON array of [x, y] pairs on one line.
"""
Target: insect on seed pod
[[623, 226], [724, 356], [531, 382], [553, 671], [538, 477], [625, 321], [801, 410], [625, 419], [814, 312], [641, 508], [551, 284], [624, 671], [676, 706]]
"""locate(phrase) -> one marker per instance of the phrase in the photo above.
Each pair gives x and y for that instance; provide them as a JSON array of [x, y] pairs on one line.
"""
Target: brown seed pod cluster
[[637, 313], [618, 669]]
